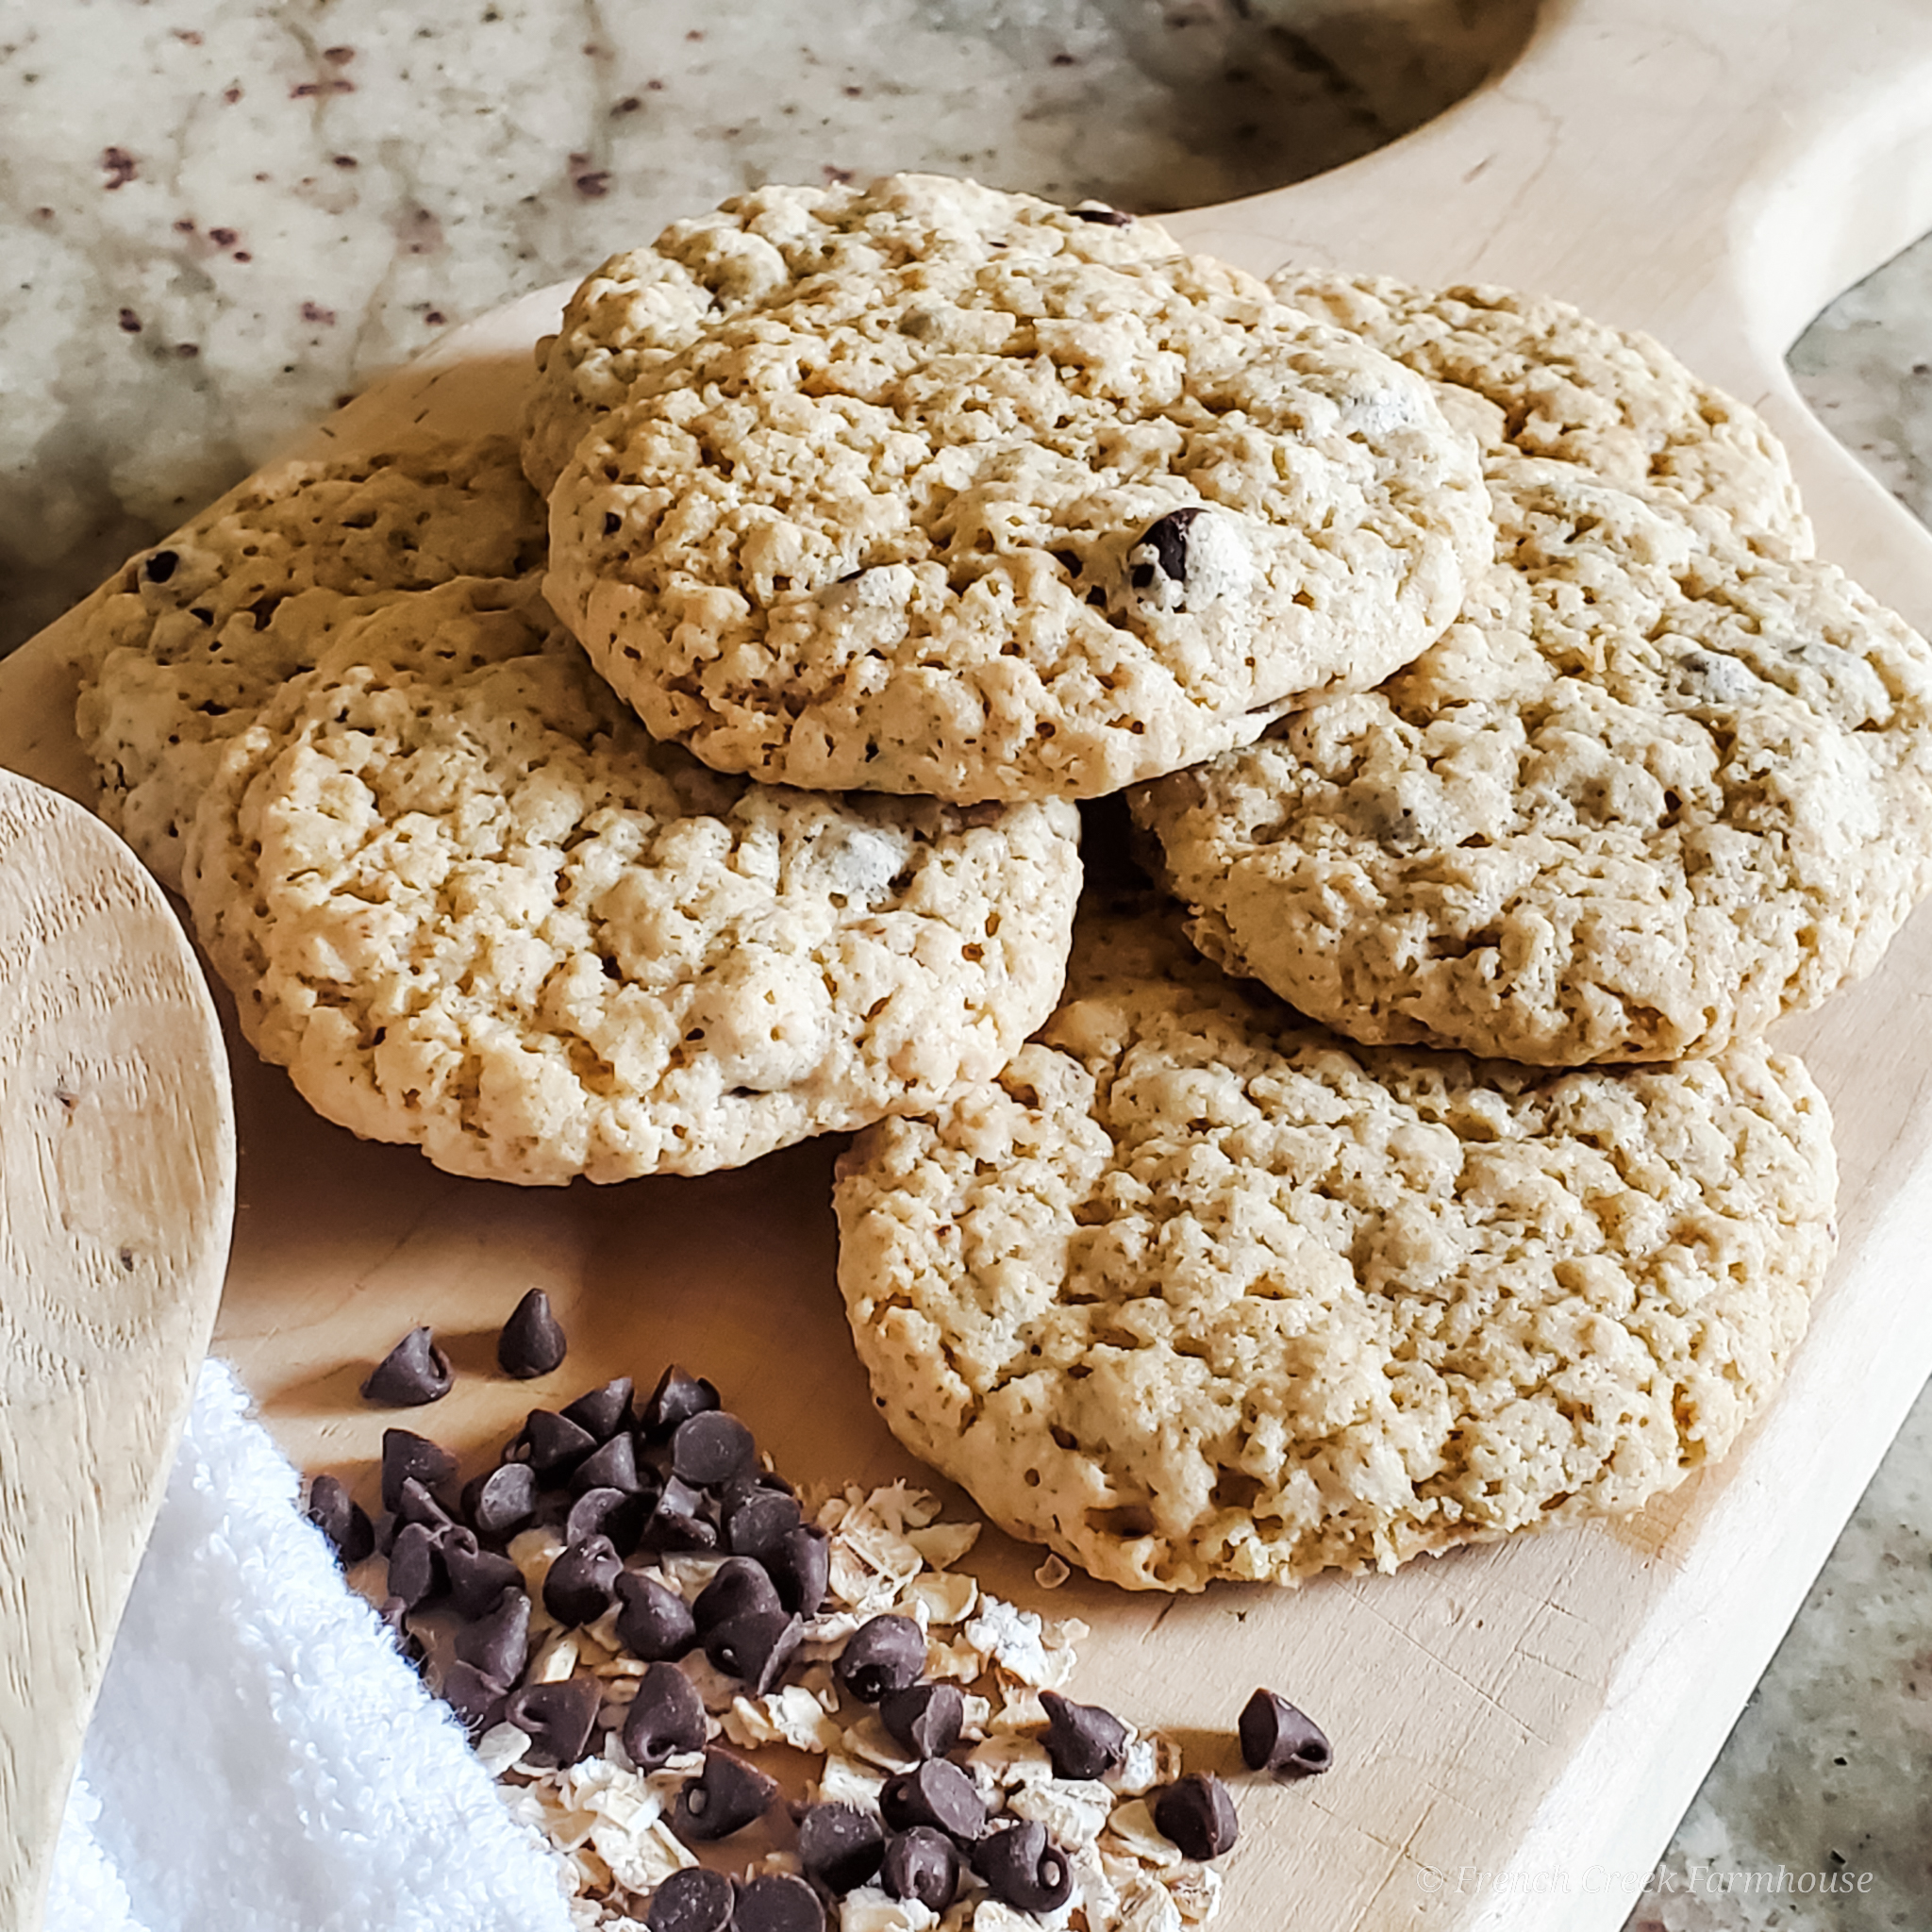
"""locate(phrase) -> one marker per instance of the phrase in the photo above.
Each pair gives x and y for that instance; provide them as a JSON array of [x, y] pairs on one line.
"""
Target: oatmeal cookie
[[470, 905], [1035, 528], [1195, 1290], [201, 631]]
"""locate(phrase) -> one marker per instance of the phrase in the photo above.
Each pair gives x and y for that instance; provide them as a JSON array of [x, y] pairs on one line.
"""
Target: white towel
[[261, 1758]]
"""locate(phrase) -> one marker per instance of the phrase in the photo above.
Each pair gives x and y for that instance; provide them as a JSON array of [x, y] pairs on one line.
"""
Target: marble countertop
[[221, 217]]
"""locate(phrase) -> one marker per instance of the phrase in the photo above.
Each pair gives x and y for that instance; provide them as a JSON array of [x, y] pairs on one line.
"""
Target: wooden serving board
[[1540, 1711]]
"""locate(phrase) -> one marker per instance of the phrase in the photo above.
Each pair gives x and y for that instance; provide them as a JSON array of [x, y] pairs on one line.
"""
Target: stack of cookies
[[1401, 1163]]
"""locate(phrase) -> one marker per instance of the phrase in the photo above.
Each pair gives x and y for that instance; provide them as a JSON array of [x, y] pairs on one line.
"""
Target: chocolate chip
[[160, 566], [880, 1656], [603, 1412], [1083, 1741], [939, 1794], [1278, 1738], [342, 1519], [414, 1371], [498, 1642], [582, 1583], [739, 1585], [1168, 537], [777, 1902], [406, 1455], [612, 1465], [755, 1647], [694, 1899], [1111, 217], [476, 1576], [415, 1566], [531, 1344], [474, 1696], [613, 1513], [676, 1398], [921, 1864], [676, 1521], [654, 1622], [724, 1797], [1198, 1815], [500, 1502], [709, 1450], [839, 1845], [756, 1517], [557, 1717], [1023, 1868], [926, 1718], [414, 1503], [801, 1569], [553, 1444], [666, 1717]]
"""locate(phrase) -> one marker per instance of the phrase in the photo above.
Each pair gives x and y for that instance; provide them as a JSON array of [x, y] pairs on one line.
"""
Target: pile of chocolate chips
[[681, 1476]]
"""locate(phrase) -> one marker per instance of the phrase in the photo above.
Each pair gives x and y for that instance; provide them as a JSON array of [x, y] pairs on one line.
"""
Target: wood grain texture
[[116, 1196], [1539, 1712]]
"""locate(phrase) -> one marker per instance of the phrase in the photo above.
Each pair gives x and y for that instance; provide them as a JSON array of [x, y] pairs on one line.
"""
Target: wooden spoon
[[117, 1191]]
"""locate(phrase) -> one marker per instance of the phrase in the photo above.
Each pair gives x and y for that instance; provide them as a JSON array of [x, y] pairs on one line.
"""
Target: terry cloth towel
[[261, 1758]]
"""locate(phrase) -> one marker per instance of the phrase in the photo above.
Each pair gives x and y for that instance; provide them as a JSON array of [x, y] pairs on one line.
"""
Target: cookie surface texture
[[1650, 793], [640, 307], [470, 905], [1544, 378], [1028, 529], [1196, 1292], [200, 632]]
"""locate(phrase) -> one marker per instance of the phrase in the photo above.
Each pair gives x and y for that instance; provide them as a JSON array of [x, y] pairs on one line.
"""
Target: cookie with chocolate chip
[[1196, 1290], [470, 905], [1033, 527]]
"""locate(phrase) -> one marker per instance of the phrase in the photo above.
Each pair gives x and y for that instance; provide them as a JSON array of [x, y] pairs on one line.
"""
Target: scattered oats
[[1053, 1573], [1195, 1889], [593, 1873], [533, 1551], [1011, 1638], [867, 1738], [718, 1691], [825, 1635], [942, 1597], [622, 1665], [790, 1716], [957, 1659], [1075, 1810], [846, 1781], [1093, 1887], [975, 1713], [992, 1916], [1146, 1907], [944, 1543], [1020, 1708], [556, 1659], [502, 1748], [1139, 1770], [1006, 1760], [1132, 1831], [868, 1909]]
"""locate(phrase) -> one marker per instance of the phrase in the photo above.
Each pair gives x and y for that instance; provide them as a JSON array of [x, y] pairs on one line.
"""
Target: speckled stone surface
[[217, 217]]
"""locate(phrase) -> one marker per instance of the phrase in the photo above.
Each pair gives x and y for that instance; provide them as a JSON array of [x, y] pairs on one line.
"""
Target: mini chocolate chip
[[414, 1371], [1198, 1815], [1023, 1868], [709, 1450], [1111, 217], [676, 1521], [474, 1696], [676, 1398], [666, 1717], [612, 1465], [801, 1569], [724, 1797], [756, 1518], [755, 1647], [406, 1455], [654, 1622], [839, 1845], [415, 1566], [612, 523], [694, 1899], [926, 1718], [160, 566], [341, 1519], [531, 1344], [1278, 1738], [777, 1902], [553, 1444], [1169, 538], [1083, 1741], [476, 1576], [498, 1643], [414, 1503], [882, 1655], [618, 1514], [603, 1411], [557, 1717], [501, 1501], [738, 1584], [921, 1864], [939, 1794], [582, 1583]]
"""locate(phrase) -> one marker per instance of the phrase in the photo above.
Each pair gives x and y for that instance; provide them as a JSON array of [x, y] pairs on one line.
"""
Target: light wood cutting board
[[1541, 1712]]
